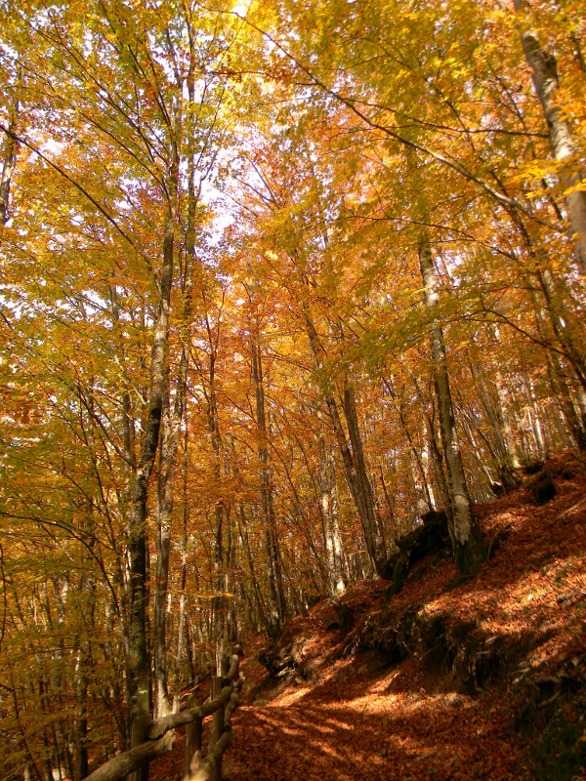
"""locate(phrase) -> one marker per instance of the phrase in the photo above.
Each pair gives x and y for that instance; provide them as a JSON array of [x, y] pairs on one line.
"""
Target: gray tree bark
[[469, 549], [350, 447], [9, 152], [545, 78], [277, 604], [329, 512], [138, 660]]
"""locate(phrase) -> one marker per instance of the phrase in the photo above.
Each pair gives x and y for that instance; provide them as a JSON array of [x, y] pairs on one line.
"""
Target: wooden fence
[[223, 701]]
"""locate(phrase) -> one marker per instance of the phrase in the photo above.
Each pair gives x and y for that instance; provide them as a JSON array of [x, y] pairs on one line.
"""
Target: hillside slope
[[446, 680]]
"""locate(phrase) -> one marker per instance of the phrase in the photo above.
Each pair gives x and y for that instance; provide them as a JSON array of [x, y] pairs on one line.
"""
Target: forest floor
[[446, 680]]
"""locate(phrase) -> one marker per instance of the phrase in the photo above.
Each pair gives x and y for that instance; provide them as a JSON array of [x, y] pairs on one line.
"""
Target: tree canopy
[[278, 278]]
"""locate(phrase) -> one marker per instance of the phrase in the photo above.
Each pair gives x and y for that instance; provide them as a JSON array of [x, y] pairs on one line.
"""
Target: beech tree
[[276, 281], [545, 78]]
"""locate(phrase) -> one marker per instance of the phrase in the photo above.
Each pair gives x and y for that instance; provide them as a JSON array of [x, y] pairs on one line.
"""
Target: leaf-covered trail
[[360, 724], [461, 679]]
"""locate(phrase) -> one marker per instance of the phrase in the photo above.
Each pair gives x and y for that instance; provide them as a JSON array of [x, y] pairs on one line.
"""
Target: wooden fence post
[[193, 733], [160, 734], [216, 729]]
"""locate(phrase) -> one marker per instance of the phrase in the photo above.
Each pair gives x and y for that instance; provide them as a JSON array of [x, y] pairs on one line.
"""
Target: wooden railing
[[223, 701]]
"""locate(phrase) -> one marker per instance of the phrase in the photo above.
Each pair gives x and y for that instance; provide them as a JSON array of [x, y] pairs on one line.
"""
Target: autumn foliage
[[277, 279]]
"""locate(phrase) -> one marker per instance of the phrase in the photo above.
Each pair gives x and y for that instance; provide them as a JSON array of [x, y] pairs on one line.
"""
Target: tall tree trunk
[[560, 387], [276, 591], [501, 444], [421, 459], [243, 526], [352, 457], [363, 488], [222, 535], [87, 587], [329, 513], [545, 78], [221, 610], [469, 549], [9, 151], [168, 455], [170, 434], [259, 601], [173, 417], [138, 659], [181, 620]]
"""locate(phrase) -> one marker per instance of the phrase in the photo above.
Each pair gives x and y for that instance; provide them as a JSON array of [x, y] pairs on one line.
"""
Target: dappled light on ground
[[506, 654]]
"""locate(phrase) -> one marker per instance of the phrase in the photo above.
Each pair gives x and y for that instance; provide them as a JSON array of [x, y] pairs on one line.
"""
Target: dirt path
[[359, 725], [508, 672]]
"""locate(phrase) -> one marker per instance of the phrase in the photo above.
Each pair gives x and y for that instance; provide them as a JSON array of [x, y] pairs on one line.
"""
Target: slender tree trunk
[[538, 447], [563, 325], [219, 603], [87, 587], [364, 494], [168, 450], [263, 613], [421, 459], [173, 417], [243, 525], [221, 609], [139, 661], [352, 457], [170, 434], [567, 409], [181, 619], [512, 463], [329, 513], [469, 549], [272, 549], [9, 153], [545, 78], [501, 444]]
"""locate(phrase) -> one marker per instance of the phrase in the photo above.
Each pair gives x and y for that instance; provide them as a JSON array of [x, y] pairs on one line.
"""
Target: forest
[[278, 278]]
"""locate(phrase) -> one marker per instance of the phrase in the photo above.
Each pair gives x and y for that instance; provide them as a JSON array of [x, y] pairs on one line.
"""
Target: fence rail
[[225, 695]]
